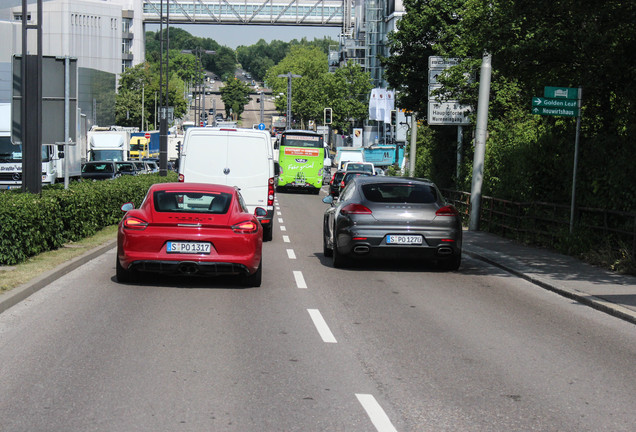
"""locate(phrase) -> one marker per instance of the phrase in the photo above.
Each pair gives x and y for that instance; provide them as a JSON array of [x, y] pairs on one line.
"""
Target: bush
[[32, 224]]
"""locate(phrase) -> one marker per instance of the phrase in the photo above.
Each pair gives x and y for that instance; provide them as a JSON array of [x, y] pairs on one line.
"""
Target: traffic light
[[393, 117], [327, 116], [178, 147]]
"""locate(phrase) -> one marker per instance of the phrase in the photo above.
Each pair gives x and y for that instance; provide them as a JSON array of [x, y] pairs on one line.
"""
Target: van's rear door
[[205, 158], [249, 160]]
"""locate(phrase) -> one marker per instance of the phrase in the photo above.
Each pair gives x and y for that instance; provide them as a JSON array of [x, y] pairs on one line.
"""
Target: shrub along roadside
[[32, 224]]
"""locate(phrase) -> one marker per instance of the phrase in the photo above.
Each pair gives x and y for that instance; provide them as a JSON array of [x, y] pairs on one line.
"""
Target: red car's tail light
[[181, 178], [270, 192], [247, 227], [342, 184], [355, 209], [448, 210], [135, 223]]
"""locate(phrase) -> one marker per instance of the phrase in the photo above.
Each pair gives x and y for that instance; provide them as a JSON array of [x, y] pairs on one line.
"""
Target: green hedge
[[31, 224]]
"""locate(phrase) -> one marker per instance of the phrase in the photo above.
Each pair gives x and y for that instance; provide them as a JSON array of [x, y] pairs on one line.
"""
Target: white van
[[236, 157]]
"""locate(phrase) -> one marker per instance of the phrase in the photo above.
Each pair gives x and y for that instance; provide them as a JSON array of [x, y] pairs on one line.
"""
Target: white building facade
[[104, 36]]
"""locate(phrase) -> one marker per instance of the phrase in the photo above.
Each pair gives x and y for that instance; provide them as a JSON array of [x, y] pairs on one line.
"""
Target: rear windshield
[[400, 193], [192, 202], [353, 166], [98, 168], [300, 140], [349, 175]]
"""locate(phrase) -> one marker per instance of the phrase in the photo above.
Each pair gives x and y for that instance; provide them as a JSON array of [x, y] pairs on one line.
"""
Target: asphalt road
[[381, 346]]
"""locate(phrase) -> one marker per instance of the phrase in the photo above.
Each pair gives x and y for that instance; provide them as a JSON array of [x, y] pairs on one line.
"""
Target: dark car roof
[[357, 173], [391, 179]]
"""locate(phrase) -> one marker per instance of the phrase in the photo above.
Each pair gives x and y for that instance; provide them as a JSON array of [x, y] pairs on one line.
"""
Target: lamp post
[[198, 52], [289, 77], [163, 91]]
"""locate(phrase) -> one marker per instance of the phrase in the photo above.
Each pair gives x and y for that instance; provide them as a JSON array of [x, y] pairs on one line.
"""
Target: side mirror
[[327, 162], [328, 199], [260, 212], [127, 206], [276, 168]]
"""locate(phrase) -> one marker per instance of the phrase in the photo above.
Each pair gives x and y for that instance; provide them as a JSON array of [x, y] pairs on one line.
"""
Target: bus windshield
[[295, 139]]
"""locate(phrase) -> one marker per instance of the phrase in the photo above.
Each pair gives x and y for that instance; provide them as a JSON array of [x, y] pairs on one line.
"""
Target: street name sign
[[561, 92], [438, 62], [553, 103], [447, 113], [564, 112]]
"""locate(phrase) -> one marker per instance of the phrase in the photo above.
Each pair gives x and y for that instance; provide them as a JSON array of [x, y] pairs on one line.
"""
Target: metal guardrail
[[547, 223]]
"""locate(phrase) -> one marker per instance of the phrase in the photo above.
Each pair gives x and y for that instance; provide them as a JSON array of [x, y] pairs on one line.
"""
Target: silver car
[[393, 217]]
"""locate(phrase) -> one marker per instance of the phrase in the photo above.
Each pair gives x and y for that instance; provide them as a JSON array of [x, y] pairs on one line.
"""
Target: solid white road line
[[321, 326], [375, 412], [300, 280], [286, 239], [291, 254]]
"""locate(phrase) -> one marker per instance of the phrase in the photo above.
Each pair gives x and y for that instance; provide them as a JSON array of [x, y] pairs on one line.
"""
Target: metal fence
[[549, 224]]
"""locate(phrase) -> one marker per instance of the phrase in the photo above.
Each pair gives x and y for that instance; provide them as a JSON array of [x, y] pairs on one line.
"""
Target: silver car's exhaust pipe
[[361, 249], [444, 251]]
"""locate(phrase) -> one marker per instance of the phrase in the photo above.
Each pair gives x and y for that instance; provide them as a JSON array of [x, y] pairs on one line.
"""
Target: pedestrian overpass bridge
[[330, 13]]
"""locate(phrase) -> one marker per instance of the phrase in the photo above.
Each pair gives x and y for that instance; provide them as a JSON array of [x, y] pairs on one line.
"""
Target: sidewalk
[[611, 293]]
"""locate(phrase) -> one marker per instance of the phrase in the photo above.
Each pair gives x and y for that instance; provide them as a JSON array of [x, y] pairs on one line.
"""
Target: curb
[[594, 302], [16, 295]]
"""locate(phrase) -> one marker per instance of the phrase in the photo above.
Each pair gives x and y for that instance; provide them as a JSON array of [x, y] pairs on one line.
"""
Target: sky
[[234, 35]]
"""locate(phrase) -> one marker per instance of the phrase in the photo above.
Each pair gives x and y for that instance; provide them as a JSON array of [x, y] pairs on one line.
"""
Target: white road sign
[[437, 62], [448, 113]]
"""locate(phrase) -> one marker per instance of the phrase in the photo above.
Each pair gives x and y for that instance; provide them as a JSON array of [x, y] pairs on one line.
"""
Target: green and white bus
[[300, 158]]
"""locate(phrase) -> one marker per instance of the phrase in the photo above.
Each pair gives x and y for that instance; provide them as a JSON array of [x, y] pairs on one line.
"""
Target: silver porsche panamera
[[393, 217]]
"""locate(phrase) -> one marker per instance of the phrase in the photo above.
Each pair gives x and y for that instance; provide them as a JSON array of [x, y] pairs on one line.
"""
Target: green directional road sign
[[553, 103], [565, 112], [561, 92]]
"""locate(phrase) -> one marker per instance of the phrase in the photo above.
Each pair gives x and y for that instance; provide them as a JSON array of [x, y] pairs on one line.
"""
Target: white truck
[[108, 143], [348, 154], [53, 157]]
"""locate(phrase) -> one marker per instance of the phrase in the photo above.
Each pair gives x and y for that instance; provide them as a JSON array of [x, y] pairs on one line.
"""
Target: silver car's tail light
[[448, 210]]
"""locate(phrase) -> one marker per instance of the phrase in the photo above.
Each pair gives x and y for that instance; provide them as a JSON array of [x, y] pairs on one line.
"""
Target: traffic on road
[[384, 344]]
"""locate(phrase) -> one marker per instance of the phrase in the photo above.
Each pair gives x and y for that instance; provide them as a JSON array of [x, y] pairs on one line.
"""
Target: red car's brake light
[[247, 227], [181, 178], [355, 209], [448, 210], [134, 223]]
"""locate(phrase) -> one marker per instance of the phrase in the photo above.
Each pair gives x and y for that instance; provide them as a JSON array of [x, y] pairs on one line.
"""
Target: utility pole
[[480, 142], [163, 91], [31, 115], [289, 77]]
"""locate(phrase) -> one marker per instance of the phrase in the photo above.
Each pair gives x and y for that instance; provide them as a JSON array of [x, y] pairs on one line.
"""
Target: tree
[[348, 95], [308, 96], [141, 82], [235, 94]]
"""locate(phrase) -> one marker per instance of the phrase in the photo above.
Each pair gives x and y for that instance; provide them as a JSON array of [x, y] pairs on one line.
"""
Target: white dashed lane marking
[[300, 280], [375, 412], [291, 254], [321, 326]]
